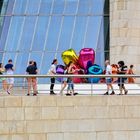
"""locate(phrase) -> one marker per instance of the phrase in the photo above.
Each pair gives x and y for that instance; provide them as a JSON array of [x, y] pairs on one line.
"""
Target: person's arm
[[12, 67], [36, 71], [27, 70], [70, 70], [2, 70]]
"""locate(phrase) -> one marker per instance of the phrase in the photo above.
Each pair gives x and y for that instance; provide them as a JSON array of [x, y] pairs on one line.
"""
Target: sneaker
[[112, 93], [75, 93], [8, 92], [52, 93], [68, 94], [34, 94], [126, 92], [28, 94], [106, 93]]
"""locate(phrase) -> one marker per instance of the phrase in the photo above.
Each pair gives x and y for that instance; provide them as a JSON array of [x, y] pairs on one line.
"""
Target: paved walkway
[[82, 89]]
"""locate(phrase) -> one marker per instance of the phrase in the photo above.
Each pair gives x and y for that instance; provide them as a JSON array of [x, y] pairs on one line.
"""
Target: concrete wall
[[125, 32], [70, 118]]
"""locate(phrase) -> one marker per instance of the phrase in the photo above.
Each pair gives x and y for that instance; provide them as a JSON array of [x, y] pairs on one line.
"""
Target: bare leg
[[125, 90], [63, 87], [29, 85], [4, 85], [108, 87], [120, 88], [34, 84]]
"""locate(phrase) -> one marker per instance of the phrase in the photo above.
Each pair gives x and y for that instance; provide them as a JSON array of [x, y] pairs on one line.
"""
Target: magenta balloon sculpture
[[86, 55], [69, 55]]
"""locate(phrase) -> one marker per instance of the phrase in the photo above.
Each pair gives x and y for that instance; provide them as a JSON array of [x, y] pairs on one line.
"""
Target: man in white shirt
[[109, 79]]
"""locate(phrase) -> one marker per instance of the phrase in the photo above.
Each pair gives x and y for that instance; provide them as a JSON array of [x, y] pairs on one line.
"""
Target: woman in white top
[[52, 71], [109, 79]]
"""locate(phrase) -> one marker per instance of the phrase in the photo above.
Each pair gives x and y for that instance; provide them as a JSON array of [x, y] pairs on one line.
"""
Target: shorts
[[2, 79], [10, 80], [108, 81], [121, 82], [65, 79]]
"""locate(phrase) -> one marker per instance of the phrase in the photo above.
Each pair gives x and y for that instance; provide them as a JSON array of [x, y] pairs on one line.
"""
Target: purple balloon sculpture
[[60, 70]]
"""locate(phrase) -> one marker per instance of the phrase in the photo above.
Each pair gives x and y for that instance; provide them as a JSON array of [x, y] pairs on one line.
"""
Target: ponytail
[[54, 61]]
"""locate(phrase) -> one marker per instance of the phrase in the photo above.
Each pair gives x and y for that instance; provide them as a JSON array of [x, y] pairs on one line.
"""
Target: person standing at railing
[[9, 68], [35, 64], [52, 71], [32, 70], [108, 72], [3, 80], [130, 71], [122, 70], [64, 81], [71, 70], [114, 72]]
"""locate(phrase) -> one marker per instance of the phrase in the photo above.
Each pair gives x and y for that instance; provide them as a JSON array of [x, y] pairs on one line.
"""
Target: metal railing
[[87, 88], [69, 75]]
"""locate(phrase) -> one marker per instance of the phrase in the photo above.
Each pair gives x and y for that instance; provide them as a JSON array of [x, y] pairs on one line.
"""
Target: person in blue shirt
[[32, 70], [9, 68]]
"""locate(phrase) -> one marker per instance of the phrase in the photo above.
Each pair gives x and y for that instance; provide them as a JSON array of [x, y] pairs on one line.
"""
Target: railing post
[[91, 88]]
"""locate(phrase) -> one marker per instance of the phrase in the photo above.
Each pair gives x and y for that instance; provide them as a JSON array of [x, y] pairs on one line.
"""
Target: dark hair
[[131, 66], [30, 62], [10, 60], [0, 65], [35, 64], [121, 63], [54, 61]]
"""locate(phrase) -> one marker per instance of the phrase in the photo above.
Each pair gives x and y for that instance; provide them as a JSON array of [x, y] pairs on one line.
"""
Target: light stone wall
[[70, 118], [125, 32]]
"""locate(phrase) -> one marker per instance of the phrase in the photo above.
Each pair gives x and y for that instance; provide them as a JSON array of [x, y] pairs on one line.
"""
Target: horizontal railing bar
[[68, 75]]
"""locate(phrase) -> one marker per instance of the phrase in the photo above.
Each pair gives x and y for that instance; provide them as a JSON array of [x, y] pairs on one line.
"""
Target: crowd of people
[[120, 68], [69, 69]]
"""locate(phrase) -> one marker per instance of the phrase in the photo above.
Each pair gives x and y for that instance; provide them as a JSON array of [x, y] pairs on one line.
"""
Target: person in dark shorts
[[122, 70], [31, 70]]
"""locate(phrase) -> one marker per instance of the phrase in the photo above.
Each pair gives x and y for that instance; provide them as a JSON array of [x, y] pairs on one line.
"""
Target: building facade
[[125, 32], [41, 30]]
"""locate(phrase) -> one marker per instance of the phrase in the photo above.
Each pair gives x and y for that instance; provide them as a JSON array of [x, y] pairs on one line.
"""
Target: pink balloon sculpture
[[86, 55]]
